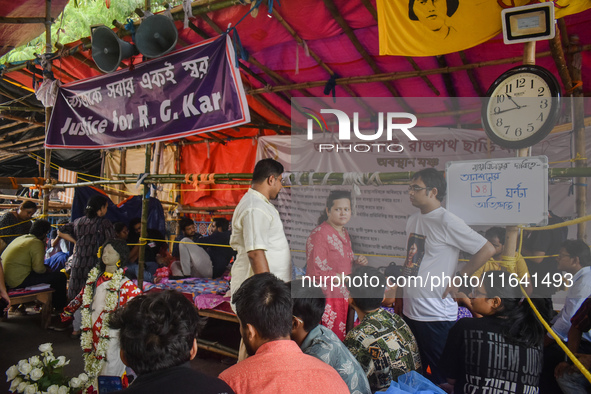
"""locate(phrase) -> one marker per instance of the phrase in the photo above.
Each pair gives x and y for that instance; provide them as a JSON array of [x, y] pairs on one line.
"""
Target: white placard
[[505, 192]]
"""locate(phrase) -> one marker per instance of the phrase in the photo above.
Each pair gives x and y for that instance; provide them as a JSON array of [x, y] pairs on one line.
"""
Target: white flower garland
[[95, 358]]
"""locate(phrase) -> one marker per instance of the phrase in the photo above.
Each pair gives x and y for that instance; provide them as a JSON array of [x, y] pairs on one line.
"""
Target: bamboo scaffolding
[[336, 15], [400, 74], [21, 120], [9, 125], [388, 178]]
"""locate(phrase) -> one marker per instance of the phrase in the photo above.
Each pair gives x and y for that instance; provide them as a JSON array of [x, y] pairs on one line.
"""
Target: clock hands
[[517, 106], [513, 101]]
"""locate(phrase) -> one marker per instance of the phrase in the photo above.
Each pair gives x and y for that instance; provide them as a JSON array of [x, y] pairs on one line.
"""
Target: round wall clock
[[522, 107]]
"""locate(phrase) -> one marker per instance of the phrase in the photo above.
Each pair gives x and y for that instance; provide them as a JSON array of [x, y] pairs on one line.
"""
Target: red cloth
[[329, 254], [281, 367]]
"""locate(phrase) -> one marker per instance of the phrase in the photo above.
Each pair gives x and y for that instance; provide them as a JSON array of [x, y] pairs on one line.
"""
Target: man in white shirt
[[574, 258], [257, 231], [436, 237]]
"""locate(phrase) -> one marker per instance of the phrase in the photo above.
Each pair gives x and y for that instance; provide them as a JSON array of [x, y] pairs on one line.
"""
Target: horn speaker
[[157, 35], [108, 50]]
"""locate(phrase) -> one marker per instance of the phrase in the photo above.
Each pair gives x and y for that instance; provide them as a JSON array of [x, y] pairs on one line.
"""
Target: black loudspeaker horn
[[108, 50], [156, 36]]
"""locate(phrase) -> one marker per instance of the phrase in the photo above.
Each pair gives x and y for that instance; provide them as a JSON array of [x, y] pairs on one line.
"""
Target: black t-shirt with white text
[[482, 361]]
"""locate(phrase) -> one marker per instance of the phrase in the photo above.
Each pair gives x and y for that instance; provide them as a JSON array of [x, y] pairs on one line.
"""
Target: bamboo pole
[[336, 15], [47, 170], [512, 232], [399, 74], [579, 129], [9, 125], [144, 229], [216, 347], [335, 178], [122, 166]]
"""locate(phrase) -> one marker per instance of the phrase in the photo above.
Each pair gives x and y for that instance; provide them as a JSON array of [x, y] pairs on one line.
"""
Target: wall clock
[[522, 107]]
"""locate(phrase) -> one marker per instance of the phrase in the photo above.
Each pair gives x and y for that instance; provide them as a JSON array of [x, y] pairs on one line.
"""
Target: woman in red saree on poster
[[329, 253]]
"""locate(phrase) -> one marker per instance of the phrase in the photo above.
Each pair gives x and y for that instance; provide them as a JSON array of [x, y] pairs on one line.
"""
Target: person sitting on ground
[[318, 341], [382, 342], [574, 258], [22, 261], [158, 338], [16, 222], [220, 256], [59, 250], [276, 363], [500, 352], [194, 262], [568, 376], [496, 236], [156, 252], [187, 229], [121, 230]]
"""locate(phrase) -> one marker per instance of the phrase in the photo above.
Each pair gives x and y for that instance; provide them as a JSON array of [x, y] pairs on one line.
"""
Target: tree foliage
[[75, 22]]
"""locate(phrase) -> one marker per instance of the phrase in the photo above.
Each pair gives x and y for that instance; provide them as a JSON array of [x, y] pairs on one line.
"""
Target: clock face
[[522, 108]]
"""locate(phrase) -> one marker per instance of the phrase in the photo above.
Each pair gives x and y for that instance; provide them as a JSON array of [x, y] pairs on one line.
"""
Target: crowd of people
[[300, 338]]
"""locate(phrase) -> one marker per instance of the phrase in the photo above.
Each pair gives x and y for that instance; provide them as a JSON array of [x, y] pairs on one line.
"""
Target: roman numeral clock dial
[[522, 107]]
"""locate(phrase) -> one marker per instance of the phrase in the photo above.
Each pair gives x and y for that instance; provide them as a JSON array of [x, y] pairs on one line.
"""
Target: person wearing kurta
[[329, 253], [106, 290]]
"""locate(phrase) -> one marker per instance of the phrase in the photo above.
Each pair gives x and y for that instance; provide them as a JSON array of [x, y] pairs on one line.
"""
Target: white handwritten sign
[[505, 192]]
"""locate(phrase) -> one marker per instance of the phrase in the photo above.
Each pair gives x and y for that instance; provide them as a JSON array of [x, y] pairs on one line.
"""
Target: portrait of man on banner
[[438, 27]]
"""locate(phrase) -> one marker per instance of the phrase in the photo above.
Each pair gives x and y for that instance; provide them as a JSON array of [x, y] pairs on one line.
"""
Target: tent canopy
[[294, 51]]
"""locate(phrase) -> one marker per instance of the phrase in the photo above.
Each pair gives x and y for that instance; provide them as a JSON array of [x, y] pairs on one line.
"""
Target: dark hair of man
[[452, 6], [578, 248], [517, 319], [94, 204], [496, 232], [432, 179], [120, 247], [222, 223], [308, 303], [28, 205], [184, 222], [367, 297], [333, 195], [156, 331], [119, 226], [264, 302], [40, 228], [265, 168]]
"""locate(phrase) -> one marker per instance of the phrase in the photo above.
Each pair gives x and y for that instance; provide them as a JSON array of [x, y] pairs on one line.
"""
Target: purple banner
[[195, 90]]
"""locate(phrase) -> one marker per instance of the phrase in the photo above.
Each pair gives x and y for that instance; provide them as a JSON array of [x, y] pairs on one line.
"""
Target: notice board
[[503, 192]]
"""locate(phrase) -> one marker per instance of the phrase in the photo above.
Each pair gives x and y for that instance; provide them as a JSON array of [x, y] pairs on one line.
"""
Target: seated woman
[[503, 349], [106, 290]]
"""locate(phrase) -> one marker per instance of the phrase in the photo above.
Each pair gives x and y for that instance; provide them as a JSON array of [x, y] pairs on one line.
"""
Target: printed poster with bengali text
[[377, 227]]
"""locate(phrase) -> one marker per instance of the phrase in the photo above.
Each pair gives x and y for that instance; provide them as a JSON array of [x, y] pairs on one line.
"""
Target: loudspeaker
[[156, 36], [108, 50]]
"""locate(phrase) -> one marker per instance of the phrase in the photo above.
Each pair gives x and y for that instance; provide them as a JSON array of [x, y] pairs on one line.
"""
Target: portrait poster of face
[[414, 254], [438, 27]]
